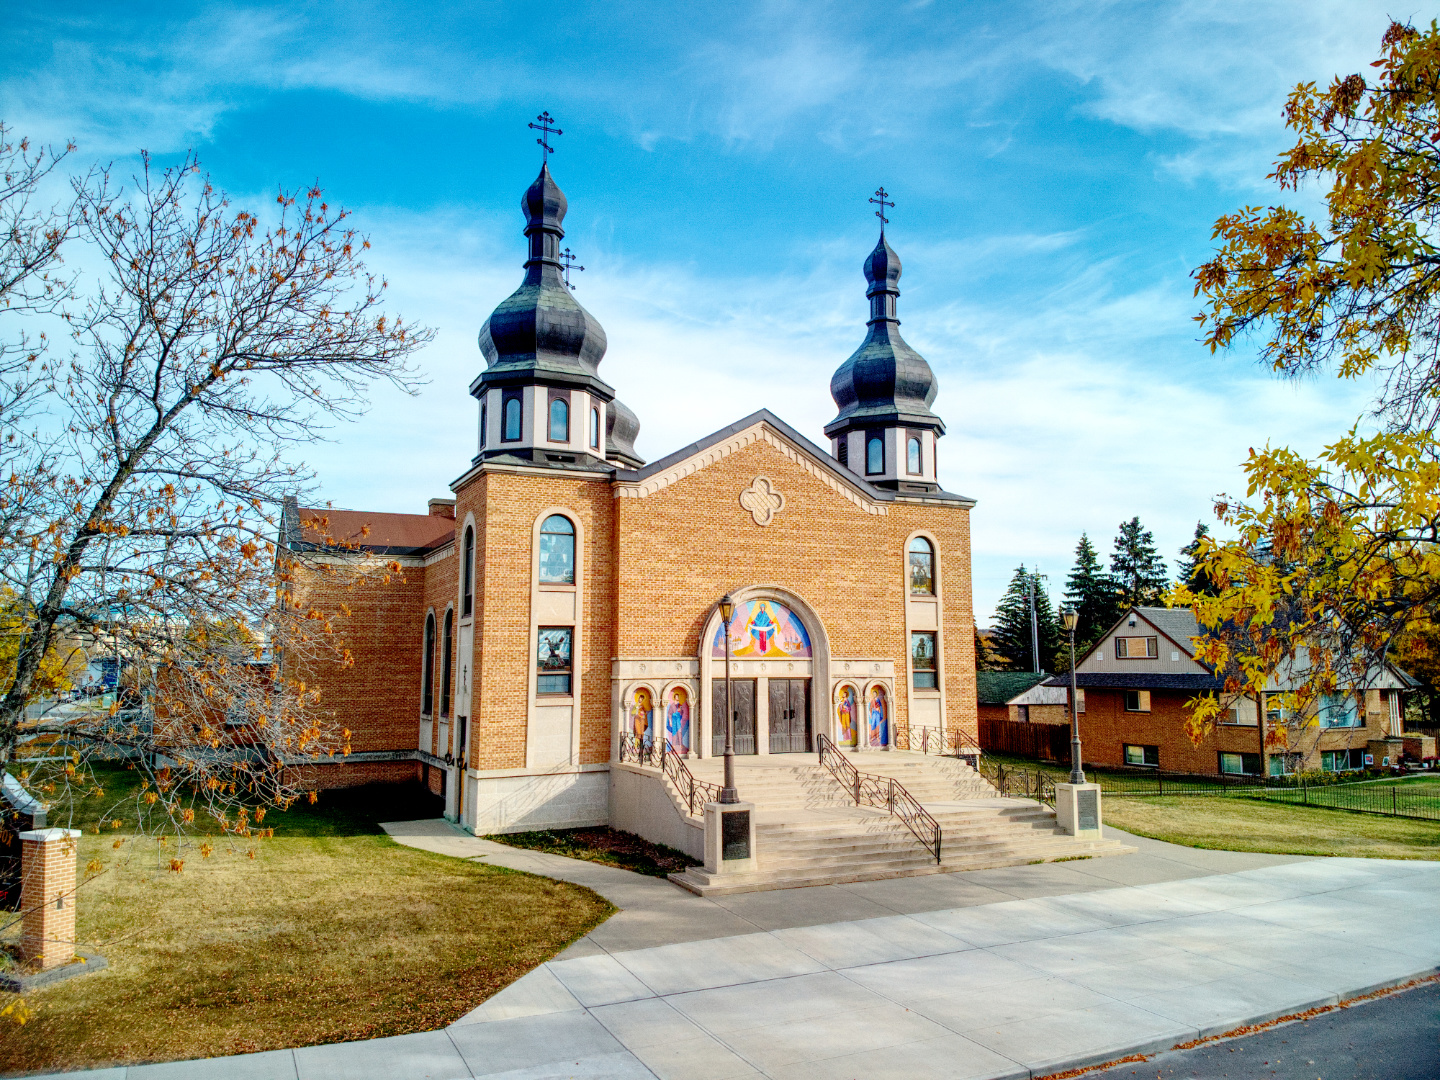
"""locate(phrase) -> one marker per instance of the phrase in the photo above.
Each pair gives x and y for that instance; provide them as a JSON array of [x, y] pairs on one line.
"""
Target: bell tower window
[[559, 430], [912, 454], [874, 453], [484, 420], [511, 411], [595, 427]]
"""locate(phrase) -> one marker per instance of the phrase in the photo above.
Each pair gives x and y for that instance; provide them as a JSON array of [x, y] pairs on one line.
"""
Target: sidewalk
[[1005, 973]]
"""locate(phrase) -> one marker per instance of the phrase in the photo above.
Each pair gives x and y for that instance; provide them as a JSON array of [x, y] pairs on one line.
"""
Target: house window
[[1145, 756], [1022, 713], [559, 416], [1394, 702], [1240, 764], [447, 642], [552, 660], [427, 668], [1339, 710], [467, 573], [1137, 700], [1274, 708], [484, 419], [1342, 760], [874, 453], [912, 455], [1080, 699], [1282, 764], [557, 551], [922, 567], [511, 411], [922, 660], [1136, 648], [595, 427]]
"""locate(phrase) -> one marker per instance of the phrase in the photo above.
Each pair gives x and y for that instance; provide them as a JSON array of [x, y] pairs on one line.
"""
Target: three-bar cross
[[567, 260], [881, 197], [546, 131]]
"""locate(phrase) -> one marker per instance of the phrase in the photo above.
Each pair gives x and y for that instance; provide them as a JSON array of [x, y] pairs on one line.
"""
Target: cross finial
[[567, 260], [881, 197], [546, 131]]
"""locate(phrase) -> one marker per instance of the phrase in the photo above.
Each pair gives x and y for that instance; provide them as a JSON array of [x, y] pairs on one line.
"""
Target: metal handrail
[[928, 739], [868, 789], [1018, 783], [656, 754]]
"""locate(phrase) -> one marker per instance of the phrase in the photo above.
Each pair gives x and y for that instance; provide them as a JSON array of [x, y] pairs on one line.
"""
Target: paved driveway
[[1007, 973]]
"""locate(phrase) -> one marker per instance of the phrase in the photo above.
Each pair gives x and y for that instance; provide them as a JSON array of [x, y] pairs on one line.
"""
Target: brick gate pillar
[[47, 896]]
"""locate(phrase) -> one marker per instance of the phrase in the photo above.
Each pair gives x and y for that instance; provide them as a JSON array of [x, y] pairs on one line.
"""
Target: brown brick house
[[566, 595], [1135, 683]]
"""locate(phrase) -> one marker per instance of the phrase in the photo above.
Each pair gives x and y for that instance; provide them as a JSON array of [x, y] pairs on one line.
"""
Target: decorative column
[[47, 896]]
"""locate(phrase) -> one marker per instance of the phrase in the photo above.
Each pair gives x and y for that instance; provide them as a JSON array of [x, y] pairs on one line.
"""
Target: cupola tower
[[885, 430]]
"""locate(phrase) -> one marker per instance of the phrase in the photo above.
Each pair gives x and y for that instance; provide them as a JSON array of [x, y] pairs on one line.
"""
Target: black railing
[[1016, 783], [657, 754], [884, 792], [927, 739]]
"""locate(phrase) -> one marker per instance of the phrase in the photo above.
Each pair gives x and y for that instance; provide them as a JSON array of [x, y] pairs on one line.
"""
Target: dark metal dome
[[621, 427], [885, 381], [541, 333]]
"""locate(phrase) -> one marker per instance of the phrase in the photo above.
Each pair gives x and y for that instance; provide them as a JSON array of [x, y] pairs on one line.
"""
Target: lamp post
[[1071, 618], [727, 793]]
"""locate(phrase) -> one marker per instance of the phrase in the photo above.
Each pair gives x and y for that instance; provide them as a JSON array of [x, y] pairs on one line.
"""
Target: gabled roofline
[[818, 457], [1189, 650]]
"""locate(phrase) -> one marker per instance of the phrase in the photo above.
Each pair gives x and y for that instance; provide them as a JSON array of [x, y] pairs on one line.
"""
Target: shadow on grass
[[610, 847]]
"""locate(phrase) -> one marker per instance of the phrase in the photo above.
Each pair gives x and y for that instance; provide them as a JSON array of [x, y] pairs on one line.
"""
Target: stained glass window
[[427, 667], [922, 567], [557, 551], [922, 659], [552, 660]]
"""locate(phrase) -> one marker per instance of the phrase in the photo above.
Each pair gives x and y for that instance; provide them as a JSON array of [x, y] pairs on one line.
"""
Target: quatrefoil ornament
[[762, 500]]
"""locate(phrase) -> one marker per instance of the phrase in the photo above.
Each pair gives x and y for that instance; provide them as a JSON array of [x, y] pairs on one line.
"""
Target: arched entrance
[[778, 652]]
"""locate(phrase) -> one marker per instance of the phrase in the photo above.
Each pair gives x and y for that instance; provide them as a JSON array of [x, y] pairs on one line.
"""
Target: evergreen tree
[[1195, 580], [1011, 640], [1136, 567], [1091, 592]]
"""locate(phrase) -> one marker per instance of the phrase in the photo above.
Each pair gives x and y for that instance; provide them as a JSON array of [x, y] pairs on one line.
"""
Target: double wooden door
[[789, 716], [744, 716]]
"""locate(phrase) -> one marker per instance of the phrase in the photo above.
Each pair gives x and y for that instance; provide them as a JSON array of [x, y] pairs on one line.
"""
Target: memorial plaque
[[1087, 810], [735, 834]]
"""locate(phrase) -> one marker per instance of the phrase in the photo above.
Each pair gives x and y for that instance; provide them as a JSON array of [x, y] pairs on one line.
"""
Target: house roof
[[366, 530], [1136, 680], [1178, 624], [998, 687]]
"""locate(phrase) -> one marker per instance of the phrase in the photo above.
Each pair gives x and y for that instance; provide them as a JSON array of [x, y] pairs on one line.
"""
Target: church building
[[563, 603]]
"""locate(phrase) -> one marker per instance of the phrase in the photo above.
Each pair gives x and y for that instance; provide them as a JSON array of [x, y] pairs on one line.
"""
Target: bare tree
[[208, 343]]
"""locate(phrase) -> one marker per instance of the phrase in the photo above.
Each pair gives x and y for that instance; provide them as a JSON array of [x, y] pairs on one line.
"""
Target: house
[[1137, 679], [562, 602], [994, 691]]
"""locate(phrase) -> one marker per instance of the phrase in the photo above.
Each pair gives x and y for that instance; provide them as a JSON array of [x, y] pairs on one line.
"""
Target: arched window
[[427, 668], [874, 454], [484, 420], [912, 455], [922, 567], [559, 420], [510, 416], [595, 427], [557, 551], [467, 574], [447, 642]]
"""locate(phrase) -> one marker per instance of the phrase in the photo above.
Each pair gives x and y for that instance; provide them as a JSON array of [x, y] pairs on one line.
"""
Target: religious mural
[[642, 716], [847, 709], [763, 630], [677, 720], [879, 718]]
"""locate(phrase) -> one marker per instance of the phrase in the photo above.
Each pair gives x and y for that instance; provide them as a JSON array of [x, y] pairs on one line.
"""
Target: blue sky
[[1056, 168]]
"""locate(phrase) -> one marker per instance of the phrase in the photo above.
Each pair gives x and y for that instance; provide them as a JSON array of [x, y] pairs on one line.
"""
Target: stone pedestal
[[730, 838], [47, 896], [1077, 808]]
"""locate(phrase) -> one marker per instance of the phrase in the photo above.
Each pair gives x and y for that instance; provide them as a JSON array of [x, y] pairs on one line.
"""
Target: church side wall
[[683, 546], [441, 591]]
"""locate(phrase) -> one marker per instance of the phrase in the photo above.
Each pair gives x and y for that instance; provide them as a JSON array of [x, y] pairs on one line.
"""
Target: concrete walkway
[[1007, 973]]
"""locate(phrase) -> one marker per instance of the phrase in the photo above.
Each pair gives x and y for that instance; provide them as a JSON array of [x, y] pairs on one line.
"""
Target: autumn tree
[[142, 499], [1136, 568], [1012, 638], [1335, 564]]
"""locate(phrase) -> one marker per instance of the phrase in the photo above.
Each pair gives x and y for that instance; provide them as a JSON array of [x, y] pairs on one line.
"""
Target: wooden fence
[[1042, 742]]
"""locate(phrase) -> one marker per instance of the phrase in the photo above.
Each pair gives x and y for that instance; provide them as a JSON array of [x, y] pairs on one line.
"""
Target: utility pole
[[1030, 583]]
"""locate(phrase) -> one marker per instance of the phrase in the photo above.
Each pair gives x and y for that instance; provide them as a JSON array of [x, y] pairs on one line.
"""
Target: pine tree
[[1197, 581], [1136, 567], [1011, 639], [1092, 593]]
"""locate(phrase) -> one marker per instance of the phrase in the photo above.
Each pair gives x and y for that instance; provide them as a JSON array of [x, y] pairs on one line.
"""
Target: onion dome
[[621, 427], [541, 333], [885, 383]]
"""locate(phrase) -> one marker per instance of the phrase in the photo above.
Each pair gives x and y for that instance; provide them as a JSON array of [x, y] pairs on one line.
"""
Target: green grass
[[603, 845], [1255, 825], [328, 932]]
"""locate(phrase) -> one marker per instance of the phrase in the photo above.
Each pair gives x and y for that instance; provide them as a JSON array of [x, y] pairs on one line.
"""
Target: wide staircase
[[809, 830]]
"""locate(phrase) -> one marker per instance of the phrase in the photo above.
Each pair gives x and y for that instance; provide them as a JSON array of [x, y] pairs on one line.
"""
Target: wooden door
[[744, 716], [789, 716]]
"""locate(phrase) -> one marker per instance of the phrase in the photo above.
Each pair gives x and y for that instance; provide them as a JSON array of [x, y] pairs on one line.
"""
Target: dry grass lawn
[[335, 935], [1251, 825]]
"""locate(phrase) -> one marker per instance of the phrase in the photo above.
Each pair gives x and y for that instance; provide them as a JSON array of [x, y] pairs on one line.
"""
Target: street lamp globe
[[1070, 617]]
